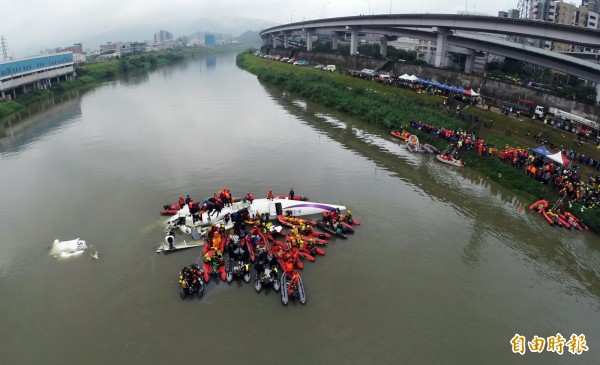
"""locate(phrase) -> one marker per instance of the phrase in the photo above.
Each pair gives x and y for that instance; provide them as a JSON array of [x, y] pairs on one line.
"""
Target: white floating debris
[[68, 248]]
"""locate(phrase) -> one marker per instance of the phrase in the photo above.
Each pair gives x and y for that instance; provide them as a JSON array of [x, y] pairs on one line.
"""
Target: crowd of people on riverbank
[[566, 180], [421, 88]]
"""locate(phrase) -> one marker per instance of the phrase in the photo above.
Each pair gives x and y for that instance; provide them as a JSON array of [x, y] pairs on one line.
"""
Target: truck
[[559, 118], [574, 119], [525, 107]]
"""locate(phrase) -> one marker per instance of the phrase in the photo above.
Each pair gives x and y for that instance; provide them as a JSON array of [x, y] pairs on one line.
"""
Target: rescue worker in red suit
[[292, 276]]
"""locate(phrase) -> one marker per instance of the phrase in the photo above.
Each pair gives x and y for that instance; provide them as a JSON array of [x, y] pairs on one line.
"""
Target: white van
[[329, 68]]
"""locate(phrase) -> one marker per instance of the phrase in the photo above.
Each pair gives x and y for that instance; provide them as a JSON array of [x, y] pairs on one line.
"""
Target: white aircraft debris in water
[[68, 248], [183, 218]]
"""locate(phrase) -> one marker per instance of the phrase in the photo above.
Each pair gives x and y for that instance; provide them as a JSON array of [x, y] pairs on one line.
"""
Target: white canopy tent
[[471, 92], [559, 157]]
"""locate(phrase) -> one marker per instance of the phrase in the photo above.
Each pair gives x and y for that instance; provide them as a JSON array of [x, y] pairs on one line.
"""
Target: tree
[[536, 72], [510, 66], [321, 46], [494, 65]]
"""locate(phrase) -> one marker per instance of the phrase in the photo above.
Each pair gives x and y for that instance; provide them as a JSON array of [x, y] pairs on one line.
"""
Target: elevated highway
[[487, 24], [449, 31]]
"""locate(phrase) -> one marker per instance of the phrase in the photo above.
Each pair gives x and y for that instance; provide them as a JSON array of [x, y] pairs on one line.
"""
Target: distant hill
[[249, 37], [240, 29]]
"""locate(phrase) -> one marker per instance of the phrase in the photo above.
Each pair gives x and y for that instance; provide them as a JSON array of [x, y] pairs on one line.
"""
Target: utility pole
[[523, 7], [4, 47], [324, 3]]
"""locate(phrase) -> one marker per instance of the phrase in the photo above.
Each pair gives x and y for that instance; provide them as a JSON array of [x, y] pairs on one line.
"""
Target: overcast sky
[[34, 25]]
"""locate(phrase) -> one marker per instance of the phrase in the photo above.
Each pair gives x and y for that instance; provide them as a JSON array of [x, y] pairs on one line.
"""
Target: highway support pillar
[[309, 35], [383, 46], [353, 42], [440, 53], [334, 41], [470, 62]]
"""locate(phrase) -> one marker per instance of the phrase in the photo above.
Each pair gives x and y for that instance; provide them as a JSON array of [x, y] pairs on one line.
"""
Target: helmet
[[289, 266], [221, 261], [349, 212]]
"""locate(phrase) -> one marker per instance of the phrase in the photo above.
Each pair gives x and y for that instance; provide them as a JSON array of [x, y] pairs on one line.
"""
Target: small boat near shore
[[450, 161], [169, 245], [413, 145], [430, 149], [403, 135]]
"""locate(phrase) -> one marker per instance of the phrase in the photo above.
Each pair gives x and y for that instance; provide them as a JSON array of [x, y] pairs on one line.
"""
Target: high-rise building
[[210, 39], [592, 5], [539, 10], [561, 12], [163, 36], [586, 18]]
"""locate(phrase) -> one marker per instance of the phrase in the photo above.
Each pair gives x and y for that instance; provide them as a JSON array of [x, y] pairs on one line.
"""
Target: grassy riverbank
[[94, 73], [393, 108]]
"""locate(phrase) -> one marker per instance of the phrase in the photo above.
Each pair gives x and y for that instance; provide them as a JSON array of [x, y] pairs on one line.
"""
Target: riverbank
[[94, 73], [393, 108]]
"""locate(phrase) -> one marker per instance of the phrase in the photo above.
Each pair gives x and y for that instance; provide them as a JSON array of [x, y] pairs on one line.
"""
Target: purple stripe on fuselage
[[313, 205]]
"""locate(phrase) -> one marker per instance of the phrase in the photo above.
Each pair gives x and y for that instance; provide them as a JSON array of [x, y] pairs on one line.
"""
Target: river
[[445, 268]]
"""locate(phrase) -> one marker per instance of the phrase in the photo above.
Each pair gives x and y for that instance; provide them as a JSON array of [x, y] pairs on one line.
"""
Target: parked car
[[319, 66], [384, 78], [284, 59], [301, 63], [367, 73], [291, 60], [329, 68]]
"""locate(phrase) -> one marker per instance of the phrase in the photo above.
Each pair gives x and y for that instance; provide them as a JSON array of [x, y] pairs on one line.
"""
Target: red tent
[[560, 158], [470, 92]]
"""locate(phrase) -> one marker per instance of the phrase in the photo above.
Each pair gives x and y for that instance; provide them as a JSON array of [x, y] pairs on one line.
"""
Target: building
[[108, 47], [586, 15], [512, 13], [75, 48], [539, 10], [210, 39], [592, 5], [163, 37], [131, 48], [561, 13], [34, 73]]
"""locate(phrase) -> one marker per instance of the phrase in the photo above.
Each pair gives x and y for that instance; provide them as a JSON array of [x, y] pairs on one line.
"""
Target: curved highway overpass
[[441, 27]]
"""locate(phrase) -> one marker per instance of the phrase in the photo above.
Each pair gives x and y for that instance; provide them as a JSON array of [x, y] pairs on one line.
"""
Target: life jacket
[[289, 267]]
